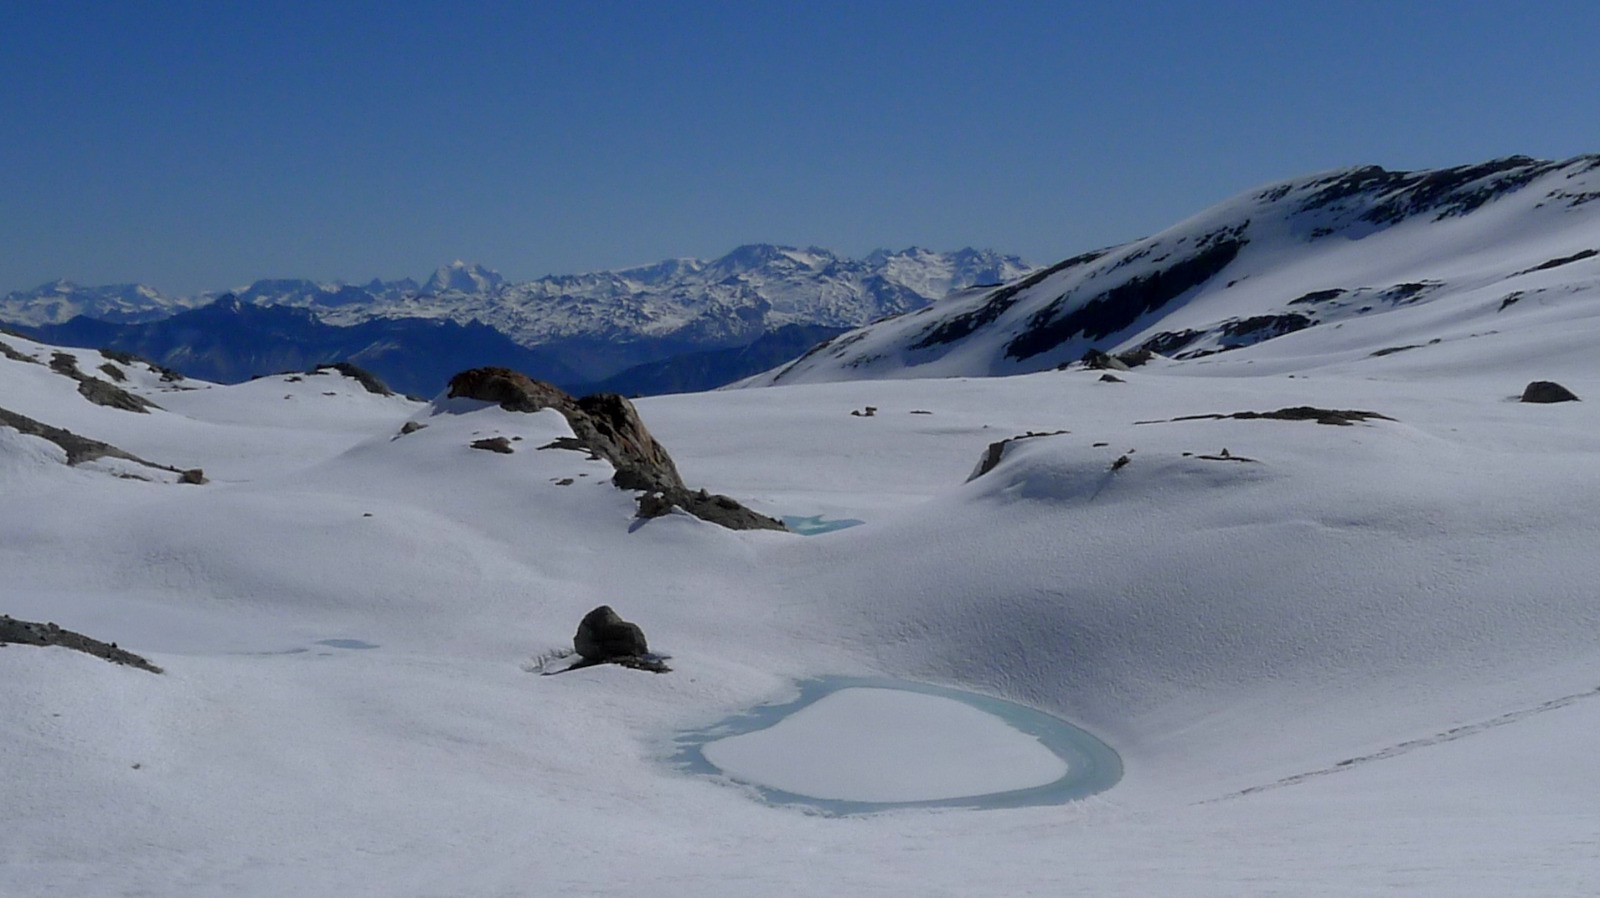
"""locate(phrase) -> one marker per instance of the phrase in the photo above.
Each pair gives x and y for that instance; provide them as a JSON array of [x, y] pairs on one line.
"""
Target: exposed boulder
[[493, 444], [603, 637], [1547, 391], [608, 426], [997, 451], [512, 390], [361, 375], [29, 633]]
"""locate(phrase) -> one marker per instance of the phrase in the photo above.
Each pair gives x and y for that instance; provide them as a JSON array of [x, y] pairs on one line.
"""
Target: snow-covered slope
[[1387, 259], [1335, 660]]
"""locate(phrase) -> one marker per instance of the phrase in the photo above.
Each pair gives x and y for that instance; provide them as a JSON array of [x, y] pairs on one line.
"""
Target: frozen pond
[[815, 524], [851, 745]]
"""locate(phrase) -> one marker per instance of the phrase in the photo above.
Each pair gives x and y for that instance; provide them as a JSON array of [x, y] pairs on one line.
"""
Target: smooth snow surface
[[888, 745]]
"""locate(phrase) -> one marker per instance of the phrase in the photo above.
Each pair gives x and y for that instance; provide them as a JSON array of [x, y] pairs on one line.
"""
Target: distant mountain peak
[[464, 277]]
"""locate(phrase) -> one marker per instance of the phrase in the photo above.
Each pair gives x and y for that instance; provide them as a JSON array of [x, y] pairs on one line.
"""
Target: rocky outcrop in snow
[[23, 632], [1547, 391], [608, 426]]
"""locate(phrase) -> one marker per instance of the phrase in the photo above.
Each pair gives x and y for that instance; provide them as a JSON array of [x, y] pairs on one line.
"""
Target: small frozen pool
[[815, 524], [851, 745]]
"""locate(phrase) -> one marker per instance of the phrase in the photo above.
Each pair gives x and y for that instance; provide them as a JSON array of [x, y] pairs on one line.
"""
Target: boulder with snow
[[1547, 391]]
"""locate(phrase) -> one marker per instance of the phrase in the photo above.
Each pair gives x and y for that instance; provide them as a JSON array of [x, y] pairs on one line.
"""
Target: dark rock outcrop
[[10, 352], [608, 426], [80, 449], [24, 632], [997, 451], [511, 390], [130, 359], [493, 444], [706, 506], [1342, 417], [100, 392], [603, 637], [1547, 391], [361, 375], [1100, 360]]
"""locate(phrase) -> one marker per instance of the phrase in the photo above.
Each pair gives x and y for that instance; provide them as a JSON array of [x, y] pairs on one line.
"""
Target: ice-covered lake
[[852, 745], [813, 525]]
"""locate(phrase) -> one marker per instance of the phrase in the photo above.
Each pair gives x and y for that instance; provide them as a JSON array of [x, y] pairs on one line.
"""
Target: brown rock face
[[608, 425], [513, 390]]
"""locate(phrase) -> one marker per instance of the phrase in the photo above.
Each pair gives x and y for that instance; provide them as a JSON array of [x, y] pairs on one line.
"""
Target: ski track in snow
[[1394, 751]]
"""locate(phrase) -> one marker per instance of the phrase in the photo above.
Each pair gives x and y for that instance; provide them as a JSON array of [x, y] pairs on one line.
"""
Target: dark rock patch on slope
[[23, 632], [10, 352], [996, 451], [1557, 263], [958, 327], [367, 379], [1334, 416], [1121, 306], [81, 449], [97, 391], [1447, 193]]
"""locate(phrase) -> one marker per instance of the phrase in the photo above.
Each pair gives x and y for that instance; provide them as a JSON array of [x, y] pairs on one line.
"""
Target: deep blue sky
[[204, 145]]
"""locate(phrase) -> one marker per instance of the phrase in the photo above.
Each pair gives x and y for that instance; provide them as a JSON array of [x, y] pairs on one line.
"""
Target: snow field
[[1410, 596]]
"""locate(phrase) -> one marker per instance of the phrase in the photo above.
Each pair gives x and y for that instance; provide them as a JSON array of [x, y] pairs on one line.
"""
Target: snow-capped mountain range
[[1391, 260], [722, 302]]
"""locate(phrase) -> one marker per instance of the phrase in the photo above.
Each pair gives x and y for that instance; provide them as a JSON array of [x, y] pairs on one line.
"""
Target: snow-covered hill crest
[[1444, 251]]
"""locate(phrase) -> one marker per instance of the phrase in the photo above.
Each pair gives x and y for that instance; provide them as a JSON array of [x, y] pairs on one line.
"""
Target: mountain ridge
[[789, 284], [1342, 247]]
